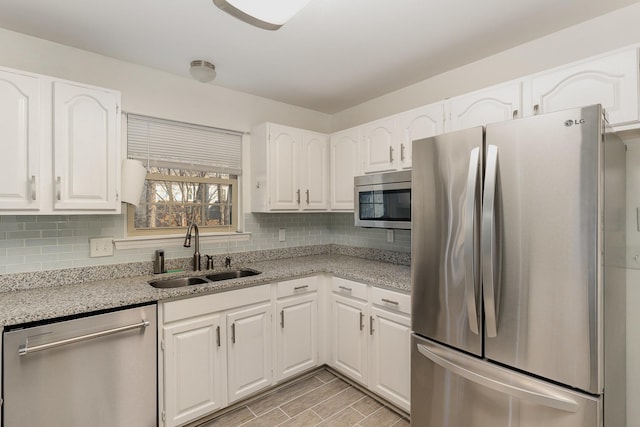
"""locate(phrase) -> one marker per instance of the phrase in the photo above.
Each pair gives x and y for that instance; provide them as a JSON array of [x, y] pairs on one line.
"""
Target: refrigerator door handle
[[489, 243], [516, 387], [469, 242]]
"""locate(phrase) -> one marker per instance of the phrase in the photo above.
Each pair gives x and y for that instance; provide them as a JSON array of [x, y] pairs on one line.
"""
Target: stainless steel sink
[[197, 280], [177, 282], [231, 274]]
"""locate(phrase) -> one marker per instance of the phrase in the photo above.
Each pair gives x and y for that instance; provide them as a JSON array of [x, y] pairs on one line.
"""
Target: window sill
[[176, 240]]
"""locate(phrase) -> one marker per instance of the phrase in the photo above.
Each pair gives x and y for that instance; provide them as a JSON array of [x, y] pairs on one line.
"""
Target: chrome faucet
[[187, 244]]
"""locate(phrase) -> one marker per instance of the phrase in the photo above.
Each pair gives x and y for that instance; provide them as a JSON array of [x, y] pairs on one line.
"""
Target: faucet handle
[[227, 262]]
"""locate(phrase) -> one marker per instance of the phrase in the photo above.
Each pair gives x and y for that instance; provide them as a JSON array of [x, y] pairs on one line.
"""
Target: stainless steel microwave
[[383, 200]]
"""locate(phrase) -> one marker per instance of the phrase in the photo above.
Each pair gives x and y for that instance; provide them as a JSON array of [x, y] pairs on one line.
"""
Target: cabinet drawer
[[347, 287], [391, 299], [197, 306], [297, 286]]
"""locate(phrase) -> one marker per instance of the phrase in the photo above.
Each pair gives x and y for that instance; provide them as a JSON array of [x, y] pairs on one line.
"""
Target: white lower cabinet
[[194, 353], [214, 349], [372, 338], [217, 349], [296, 327], [249, 350], [349, 337]]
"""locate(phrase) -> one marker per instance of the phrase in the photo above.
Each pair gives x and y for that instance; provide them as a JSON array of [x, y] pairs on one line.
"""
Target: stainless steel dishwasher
[[98, 370]]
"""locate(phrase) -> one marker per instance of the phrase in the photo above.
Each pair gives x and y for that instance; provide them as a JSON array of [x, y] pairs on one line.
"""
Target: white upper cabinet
[[314, 175], [420, 123], [344, 154], [61, 146], [19, 132], [610, 80], [494, 104], [379, 147], [290, 168], [86, 155]]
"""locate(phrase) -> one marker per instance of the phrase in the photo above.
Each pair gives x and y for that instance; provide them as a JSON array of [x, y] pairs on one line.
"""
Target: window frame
[[167, 231]]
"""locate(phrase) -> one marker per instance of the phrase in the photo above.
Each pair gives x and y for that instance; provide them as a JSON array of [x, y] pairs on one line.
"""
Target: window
[[192, 176]]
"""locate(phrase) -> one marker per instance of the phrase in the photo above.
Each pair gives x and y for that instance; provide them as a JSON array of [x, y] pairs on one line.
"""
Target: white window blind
[[167, 143]]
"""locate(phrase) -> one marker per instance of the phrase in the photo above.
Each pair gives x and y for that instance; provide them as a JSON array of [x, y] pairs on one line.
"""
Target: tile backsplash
[[42, 242]]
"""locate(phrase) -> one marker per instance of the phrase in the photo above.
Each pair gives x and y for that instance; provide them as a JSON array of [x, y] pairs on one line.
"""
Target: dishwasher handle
[[24, 349]]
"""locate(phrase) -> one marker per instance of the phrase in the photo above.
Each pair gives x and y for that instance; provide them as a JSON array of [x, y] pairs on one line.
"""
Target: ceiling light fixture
[[269, 15], [202, 71]]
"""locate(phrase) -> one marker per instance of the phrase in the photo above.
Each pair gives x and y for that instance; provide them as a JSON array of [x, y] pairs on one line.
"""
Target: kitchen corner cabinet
[[345, 161], [371, 335], [610, 80], [63, 146], [296, 326], [290, 168], [416, 124], [494, 104], [349, 312]]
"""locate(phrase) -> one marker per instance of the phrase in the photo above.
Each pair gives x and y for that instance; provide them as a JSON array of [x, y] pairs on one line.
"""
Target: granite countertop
[[30, 305]]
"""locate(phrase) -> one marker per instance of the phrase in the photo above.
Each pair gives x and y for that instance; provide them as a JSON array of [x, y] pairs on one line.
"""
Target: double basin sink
[[198, 280]]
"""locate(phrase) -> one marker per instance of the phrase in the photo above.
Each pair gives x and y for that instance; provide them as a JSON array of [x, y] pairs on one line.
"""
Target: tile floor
[[321, 399]]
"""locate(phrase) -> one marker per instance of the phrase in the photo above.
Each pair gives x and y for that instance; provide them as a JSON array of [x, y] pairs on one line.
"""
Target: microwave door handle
[[470, 220], [488, 243]]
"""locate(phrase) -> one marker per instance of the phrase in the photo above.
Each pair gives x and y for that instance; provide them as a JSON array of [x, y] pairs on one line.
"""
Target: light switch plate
[[281, 235], [390, 236], [101, 247]]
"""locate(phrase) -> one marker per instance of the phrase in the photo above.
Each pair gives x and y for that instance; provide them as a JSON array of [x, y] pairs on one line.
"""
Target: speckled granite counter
[[40, 303]]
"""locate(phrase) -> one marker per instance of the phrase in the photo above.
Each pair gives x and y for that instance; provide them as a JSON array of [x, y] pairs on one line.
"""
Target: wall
[[608, 32]]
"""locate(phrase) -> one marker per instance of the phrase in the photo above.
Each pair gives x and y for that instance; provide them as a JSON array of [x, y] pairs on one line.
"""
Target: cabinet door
[[284, 152], [390, 374], [349, 349], [611, 81], [249, 354], [297, 335], [344, 167], [86, 148], [19, 132], [379, 142], [495, 104], [314, 175], [193, 378], [418, 124]]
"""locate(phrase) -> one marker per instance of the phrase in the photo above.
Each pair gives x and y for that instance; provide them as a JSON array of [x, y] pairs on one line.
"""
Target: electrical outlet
[[101, 247], [281, 235]]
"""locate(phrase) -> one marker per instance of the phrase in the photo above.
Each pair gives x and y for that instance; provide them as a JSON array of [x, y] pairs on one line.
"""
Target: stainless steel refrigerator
[[518, 279]]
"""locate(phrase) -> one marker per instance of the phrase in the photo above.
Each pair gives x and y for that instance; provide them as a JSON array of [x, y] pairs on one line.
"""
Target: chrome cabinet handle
[[471, 284], [515, 114], [361, 321], [402, 152], [344, 288], [33, 187], [218, 335], [370, 325], [298, 288], [536, 108], [282, 319], [298, 195], [58, 188], [23, 350], [388, 301], [233, 333], [307, 197], [390, 154], [521, 389], [488, 243]]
